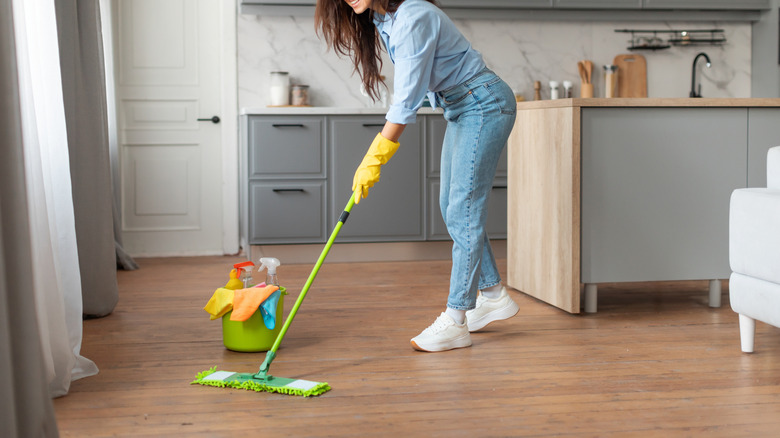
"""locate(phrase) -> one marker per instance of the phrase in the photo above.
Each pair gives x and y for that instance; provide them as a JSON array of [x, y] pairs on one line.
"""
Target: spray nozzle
[[244, 271], [271, 264]]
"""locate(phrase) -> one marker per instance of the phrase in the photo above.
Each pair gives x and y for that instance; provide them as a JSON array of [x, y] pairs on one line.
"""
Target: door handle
[[214, 119]]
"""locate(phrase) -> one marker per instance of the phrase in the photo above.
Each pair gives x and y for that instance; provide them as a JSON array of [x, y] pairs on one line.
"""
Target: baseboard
[[365, 252]]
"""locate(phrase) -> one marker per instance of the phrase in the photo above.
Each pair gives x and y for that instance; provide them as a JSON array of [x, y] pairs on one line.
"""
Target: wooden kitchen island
[[628, 190]]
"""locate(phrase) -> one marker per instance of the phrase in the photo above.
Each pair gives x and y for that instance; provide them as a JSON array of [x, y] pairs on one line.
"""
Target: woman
[[432, 57]]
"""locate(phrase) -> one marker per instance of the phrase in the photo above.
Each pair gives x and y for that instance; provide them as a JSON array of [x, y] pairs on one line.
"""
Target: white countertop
[[321, 110]]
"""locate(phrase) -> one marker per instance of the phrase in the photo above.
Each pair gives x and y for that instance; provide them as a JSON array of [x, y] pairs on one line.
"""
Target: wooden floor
[[655, 361]]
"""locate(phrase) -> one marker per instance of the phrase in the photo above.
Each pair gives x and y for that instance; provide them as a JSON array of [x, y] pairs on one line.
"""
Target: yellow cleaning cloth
[[220, 303], [247, 301]]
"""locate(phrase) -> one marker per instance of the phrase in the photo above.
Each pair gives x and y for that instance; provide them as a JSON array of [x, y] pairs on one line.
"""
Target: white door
[[168, 77]]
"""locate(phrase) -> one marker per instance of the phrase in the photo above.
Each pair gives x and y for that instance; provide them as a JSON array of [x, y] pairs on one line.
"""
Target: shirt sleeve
[[413, 42]]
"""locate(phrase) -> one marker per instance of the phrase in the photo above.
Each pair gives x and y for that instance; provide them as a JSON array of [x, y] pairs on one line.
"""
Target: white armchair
[[754, 253]]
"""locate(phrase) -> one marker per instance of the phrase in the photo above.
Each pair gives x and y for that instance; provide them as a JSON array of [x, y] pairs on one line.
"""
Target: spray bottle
[[244, 272], [271, 264]]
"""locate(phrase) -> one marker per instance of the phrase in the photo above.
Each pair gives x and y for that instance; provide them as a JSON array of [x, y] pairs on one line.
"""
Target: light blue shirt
[[430, 55]]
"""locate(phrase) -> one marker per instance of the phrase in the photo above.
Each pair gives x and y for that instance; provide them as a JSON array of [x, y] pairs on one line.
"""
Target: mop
[[262, 381]]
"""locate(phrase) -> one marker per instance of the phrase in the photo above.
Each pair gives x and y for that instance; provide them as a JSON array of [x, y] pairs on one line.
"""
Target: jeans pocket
[[503, 96]]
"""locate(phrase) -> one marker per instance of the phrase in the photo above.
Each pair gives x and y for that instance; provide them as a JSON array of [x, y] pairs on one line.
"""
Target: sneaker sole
[[461, 342], [496, 315]]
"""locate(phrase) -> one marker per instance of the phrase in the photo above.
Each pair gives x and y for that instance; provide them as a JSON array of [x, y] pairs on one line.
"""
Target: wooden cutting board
[[632, 75]]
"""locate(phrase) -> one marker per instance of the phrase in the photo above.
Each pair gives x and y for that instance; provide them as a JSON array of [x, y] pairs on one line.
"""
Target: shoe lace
[[480, 299], [439, 325]]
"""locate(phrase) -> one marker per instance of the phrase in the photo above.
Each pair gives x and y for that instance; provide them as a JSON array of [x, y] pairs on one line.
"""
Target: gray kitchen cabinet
[[578, 10], [297, 175], [500, 4], [614, 190], [435, 127], [763, 134], [287, 147], [707, 4], [598, 4], [285, 184], [393, 210], [655, 188], [287, 211]]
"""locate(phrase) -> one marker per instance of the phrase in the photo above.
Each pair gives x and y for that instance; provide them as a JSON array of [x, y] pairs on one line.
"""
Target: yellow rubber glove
[[367, 174]]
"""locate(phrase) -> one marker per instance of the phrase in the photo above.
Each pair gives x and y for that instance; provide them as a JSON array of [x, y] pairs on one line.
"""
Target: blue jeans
[[480, 114]]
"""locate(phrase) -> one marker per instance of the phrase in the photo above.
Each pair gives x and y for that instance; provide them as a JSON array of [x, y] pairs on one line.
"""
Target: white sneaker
[[443, 334], [489, 310]]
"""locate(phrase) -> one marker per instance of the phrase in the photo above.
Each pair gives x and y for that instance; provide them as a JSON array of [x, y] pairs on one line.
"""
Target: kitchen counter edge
[[650, 102], [322, 110]]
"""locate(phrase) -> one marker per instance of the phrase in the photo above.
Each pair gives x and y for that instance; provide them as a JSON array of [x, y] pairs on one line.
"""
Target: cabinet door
[[763, 134], [287, 212], [393, 209], [286, 147], [503, 4], [435, 127], [655, 191], [598, 4], [707, 4]]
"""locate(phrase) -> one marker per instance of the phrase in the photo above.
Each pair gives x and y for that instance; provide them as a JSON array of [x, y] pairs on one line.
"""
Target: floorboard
[[654, 361]]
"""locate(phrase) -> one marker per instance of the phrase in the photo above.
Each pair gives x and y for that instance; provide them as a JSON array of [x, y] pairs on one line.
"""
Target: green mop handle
[[269, 357]]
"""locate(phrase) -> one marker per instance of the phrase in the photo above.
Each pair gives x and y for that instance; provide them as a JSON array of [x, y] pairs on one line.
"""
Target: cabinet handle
[[499, 187], [287, 125], [288, 190], [373, 125]]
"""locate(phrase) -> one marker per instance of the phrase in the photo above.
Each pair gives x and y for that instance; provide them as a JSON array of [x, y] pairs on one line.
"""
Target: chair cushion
[[755, 298], [754, 233], [773, 168]]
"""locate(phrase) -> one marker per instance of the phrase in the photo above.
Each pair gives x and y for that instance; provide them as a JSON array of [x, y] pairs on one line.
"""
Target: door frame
[[230, 155]]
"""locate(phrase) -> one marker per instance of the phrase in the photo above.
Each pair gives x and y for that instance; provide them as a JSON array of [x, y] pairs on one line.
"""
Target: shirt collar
[[384, 23]]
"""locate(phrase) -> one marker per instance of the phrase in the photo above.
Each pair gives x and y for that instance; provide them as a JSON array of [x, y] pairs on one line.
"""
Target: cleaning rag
[[247, 301], [220, 303], [268, 310]]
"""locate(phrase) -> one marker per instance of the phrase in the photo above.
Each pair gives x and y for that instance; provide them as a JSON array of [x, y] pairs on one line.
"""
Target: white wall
[[519, 51]]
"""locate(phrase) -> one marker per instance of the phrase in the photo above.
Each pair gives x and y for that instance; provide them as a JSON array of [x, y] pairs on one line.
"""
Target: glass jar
[[299, 96], [280, 88]]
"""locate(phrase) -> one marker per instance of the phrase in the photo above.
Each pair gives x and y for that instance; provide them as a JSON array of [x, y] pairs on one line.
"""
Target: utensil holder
[[586, 90]]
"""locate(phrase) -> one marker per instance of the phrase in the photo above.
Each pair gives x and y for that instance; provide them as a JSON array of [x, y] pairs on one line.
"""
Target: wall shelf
[[649, 39]]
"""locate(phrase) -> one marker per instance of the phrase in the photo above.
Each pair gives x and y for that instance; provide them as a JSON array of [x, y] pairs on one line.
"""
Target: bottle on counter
[[610, 80], [537, 90], [567, 90], [553, 90], [280, 88]]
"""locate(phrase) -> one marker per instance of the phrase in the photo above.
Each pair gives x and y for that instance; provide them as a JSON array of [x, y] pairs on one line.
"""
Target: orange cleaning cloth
[[247, 301]]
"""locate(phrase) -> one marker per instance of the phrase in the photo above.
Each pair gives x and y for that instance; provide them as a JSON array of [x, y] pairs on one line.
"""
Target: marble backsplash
[[521, 52]]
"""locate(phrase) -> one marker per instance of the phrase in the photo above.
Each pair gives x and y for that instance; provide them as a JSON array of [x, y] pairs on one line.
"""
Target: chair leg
[[747, 332]]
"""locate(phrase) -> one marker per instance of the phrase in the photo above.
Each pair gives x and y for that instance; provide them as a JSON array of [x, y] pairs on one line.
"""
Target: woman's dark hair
[[354, 35]]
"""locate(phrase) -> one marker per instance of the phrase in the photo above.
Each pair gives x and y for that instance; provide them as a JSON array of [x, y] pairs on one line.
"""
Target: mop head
[[248, 381]]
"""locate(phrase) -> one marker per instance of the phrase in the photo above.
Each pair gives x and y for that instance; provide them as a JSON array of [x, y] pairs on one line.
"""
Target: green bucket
[[252, 335]]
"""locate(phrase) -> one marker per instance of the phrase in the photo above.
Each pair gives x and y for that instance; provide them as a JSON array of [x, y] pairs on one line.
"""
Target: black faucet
[[694, 92]]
